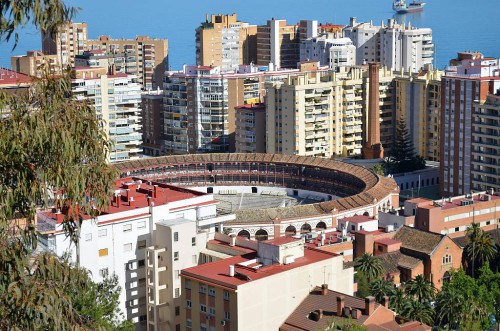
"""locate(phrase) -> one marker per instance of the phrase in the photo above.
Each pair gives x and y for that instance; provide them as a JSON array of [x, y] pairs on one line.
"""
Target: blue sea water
[[457, 25]]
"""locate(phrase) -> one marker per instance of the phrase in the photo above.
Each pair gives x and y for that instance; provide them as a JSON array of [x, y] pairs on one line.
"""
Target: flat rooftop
[[457, 201], [217, 272]]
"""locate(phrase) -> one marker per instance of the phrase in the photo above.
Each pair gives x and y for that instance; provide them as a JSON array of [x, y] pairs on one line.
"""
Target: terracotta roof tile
[[418, 240]]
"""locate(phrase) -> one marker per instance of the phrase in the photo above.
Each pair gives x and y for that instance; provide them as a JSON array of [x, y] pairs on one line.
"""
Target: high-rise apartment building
[[418, 102], [225, 42], [486, 144], [116, 99], [323, 112], [395, 46], [473, 78], [144, 57], [153, 138], [250, 129], [35, 63], [279, 43], [69, 41], [199, 104]]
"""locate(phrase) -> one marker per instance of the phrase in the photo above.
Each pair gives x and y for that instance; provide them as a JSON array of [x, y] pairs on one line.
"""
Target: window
[[177, 310], [143, 318], [447, 259], [211, 291], [176, 256], [141, 225], [188, 303], [127, 227], [177, 327], [203, 308], [102, 233], [203, 289], [103, 272], [226, 315], [177, 292], [193, 241], [195, 259], [141, 263], [188, 323], [176, 236], [203, 327], [211, 311], [353, 228], [88, 237], [380, 248], [103, 252], [127, 247], [226, 295], [188, 284], [457, 229], [141, 244]]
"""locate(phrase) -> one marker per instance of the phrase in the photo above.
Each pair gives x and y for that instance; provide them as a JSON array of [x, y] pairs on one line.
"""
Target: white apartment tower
[[329, 51], [395, 46], [116, 99]]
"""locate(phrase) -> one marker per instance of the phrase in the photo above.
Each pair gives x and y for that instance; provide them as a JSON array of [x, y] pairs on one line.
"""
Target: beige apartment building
[[418, 102], [486, 144], [69, 41], [225, 42], [260, 289], [322, 112], [35, 63], [250, 131], [145, 57]]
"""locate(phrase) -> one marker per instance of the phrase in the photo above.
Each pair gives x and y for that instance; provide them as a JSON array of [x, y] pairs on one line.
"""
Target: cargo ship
[[401, 7]]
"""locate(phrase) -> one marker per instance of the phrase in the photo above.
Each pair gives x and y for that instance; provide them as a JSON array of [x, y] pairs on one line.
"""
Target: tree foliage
[[382, 287], [52, 151], [420, 288], [402, 157], [370, 266], [45, 15], [480, 249]]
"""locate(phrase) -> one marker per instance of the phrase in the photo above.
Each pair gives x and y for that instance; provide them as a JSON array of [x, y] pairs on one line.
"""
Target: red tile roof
[[358, 219], [217, 273], [9, 77]]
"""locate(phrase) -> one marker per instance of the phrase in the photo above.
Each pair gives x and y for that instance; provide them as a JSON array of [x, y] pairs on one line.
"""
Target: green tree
[[449, 305], [418, 311], [347, 324], [420, 288], [398, 301], [480, 248], [370, 266], [491, 281], [363, 286], [50, 143], [378, 169], [381, 287]]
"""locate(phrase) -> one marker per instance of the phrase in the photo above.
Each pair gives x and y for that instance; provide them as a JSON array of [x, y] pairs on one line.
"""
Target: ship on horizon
[[401, 7]]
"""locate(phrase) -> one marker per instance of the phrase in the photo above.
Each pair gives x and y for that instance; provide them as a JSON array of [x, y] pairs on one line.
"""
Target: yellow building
[[322, 112], [35, 63], [145, 57], [225, 42], [278, 43], [418, 102]]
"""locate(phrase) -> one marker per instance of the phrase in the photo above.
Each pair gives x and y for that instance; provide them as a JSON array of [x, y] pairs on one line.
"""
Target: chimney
[[324, 289], [118, 199], [385, 301], [355, 313], [346, 312], [128, 195], [369, 305], [372, 148], [155, 191], [340, 305], [232, 240], [231, 270], [131, 201]]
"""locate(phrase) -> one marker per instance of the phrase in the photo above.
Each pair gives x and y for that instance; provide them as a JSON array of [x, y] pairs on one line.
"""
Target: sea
[[458, 25]]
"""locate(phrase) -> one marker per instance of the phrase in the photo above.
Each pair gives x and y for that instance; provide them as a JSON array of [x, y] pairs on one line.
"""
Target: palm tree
[[381, 287], [370, 266], [480, 248], [398, 301], [449, 307], [416, 310], [421, 288]]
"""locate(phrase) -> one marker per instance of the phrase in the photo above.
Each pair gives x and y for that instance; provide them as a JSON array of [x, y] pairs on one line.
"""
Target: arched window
[[446, 277], [261, 235], [305, 228], [244, 233], [321, 226], [447, 259], [290, 230]]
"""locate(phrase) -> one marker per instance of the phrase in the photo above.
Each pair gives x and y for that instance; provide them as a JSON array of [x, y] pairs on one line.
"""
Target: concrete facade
[[70, 40], [35, 63], [250, 128]]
